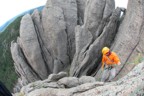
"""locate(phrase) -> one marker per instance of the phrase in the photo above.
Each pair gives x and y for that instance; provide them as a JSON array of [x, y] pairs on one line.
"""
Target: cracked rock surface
[[129, 85], [68, 36]]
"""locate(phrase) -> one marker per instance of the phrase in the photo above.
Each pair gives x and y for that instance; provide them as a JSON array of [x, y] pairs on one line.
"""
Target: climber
[[109, 61]]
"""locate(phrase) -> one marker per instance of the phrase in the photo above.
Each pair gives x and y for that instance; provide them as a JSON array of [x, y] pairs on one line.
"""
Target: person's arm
[[119, 63], [116, 59]]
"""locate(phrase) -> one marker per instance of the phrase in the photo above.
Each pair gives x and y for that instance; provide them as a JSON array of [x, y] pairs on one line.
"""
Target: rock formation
[[68, 35], [61, 85]]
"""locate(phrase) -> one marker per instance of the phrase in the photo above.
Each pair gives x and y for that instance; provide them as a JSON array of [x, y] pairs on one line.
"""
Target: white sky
[[11, 8]]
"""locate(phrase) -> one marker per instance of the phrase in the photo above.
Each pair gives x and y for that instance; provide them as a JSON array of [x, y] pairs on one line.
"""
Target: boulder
[[31, 48], [131, 84]]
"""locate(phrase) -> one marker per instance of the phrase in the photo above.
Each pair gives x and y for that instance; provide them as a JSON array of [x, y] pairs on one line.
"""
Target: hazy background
[[11, 8]]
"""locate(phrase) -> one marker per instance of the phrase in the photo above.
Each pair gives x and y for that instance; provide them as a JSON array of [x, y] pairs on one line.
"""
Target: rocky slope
[[61, 85], [68, 35]]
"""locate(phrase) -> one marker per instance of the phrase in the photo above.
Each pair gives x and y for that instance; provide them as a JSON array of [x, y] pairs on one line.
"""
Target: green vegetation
[[7, 72], [137, 59]]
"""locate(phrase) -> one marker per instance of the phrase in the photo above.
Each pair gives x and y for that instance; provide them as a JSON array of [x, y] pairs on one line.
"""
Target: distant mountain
[[7, 72], [3, 27], [10, 32]]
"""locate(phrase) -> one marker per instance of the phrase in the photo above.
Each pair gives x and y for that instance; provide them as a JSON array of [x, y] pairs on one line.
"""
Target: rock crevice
[[68, 35]]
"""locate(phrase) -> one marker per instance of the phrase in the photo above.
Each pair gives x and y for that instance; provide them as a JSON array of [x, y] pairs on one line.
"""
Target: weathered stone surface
[[81, 9], [131, 84], [69, 82], [69, 8], [91, 54], [49, 39], [31, 48], [48, 59], [38, 85], [81, 46], [95, 11], [21, 66], [88, 34], [86, 79], [54, 36], [56, 77], [129, 37]]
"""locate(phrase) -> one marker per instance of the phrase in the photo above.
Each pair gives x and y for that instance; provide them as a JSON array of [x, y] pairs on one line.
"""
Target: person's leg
[[105, 75], [112, 74]]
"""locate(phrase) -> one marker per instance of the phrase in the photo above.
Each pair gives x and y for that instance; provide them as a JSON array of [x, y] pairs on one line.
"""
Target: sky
[[12, 8]]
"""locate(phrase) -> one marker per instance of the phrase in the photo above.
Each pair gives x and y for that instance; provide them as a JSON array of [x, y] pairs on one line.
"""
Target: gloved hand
[[119, 63]]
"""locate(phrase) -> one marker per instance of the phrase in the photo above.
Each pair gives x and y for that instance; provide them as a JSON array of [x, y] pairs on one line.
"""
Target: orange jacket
[[109, 60]]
